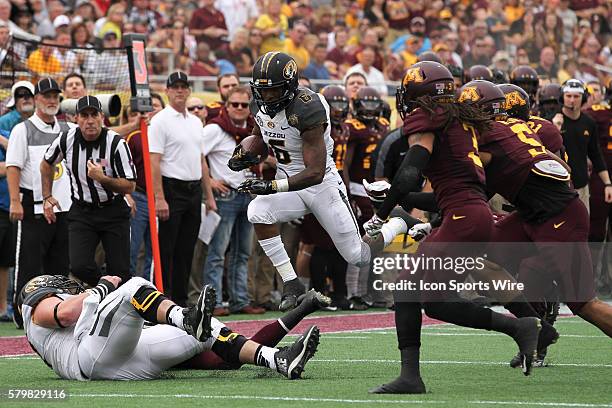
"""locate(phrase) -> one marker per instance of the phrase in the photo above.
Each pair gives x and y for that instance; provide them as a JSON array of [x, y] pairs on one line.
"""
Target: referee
[[101, 172]]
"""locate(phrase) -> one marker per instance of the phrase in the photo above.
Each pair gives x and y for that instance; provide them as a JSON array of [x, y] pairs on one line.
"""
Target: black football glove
[[241, 160], [259, 187]]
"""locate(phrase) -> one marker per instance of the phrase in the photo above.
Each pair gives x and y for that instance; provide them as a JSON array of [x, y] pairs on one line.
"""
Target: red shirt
[[204, 18]]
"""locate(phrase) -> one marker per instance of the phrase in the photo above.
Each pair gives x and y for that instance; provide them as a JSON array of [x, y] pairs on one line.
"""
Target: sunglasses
[[236, 105], [192, 108], [24, 95]]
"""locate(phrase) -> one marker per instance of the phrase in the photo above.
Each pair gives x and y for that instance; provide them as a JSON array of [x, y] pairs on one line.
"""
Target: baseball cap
[[584, 23], [177, 76], [61, 20], [21, 84], [417, 19], [88, 102], [46, 85], [501, 56]]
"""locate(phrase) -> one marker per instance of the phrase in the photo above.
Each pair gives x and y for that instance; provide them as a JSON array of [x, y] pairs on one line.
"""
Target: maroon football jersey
[[340, 135], [602, 114], [365, 138], [547, 132], [454, 169], [515, 149]]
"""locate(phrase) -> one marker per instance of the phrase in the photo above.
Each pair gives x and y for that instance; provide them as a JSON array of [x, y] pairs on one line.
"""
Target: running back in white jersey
[[283, 132], [57, 347]]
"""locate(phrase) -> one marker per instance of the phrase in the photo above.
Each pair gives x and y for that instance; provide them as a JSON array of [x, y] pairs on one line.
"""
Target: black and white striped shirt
[[110, 150]]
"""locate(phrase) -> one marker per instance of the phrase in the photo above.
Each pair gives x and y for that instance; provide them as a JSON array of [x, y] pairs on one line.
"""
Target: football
[[255, 146]]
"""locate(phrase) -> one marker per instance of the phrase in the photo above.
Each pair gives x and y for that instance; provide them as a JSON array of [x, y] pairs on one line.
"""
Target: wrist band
[[281, 186]]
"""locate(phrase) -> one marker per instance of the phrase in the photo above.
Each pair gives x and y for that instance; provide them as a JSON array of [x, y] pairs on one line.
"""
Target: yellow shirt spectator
[[299, 53], [43, 62], [513, 13], [273, 42]]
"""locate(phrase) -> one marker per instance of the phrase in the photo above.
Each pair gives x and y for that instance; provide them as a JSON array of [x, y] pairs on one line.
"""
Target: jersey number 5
[[282, 155], [522, 130]]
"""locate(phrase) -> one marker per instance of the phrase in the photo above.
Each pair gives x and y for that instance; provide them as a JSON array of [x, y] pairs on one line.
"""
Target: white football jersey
[[57, 347], [283, 132]]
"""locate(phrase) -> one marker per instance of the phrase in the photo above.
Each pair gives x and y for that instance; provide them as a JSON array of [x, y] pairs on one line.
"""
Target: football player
[[548, 101], [526, 78], [295, 123], [98, 334], [443, 147]]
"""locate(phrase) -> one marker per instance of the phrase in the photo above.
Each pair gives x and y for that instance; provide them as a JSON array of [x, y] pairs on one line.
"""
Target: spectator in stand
[[23, 19], [569, 20], [42, 62], [375, 13], [370, 40], [589, 56], [502, 61], [338, 55], [570, 70], [141, 12], [479, 30], [497, 23], [196, 107], [203, 65], [547, 65], [373, 76], [208, 25], [452, 42], [21, 105], [514, 11], [409, 54], [522, 34], [237, 52], [273, 26], [398, 16], [139, 223], [550, 33], [323, 21], [222, 135], [417, 28], [45, 27], [67, 58], [294, 45], [521, 58], [479, 54], [225, 83], [601, 28], [80, 36], [254, 44], [317, 69], [114, 21], [239, 14]]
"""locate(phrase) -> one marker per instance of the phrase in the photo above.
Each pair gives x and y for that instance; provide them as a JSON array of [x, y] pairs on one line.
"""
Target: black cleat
[[290, 361], [197, 317], [292, 290], [527, 339], [314, 300], [548, 335], [357, 303], [401, 385]]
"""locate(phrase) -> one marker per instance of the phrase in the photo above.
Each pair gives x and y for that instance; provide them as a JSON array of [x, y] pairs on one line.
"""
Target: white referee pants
[[112, 344], [328, 203]]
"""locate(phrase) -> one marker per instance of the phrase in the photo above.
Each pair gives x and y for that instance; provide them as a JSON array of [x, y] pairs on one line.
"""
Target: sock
[[352, 280], [408, 319], [462, 313], [275, 250], [521, 308], [291, 319], [174, 316], [392, 228], [410, 362], [271, 334], [264, 357], [504, 324], [362, 280]]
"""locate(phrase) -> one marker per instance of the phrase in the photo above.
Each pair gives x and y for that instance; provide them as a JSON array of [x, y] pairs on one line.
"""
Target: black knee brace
[[228, 345], [146, 301]]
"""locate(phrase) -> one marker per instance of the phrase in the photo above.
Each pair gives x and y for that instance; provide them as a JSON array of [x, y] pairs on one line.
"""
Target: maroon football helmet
[[479, 72], [548, 101], [517, 101], [367, 104], [527, 78], [338, 103], [483, 94], [426, 78]]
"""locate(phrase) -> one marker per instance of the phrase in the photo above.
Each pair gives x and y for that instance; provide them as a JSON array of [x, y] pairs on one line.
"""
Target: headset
[[576, 84]]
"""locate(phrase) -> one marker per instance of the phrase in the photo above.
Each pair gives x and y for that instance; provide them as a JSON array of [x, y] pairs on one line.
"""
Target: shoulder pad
[[306, 111], [533, 117], [355, 123], [383, 121]]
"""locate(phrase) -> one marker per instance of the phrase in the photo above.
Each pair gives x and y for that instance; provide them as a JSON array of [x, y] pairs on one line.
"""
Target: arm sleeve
[[157, 136], [594, 150], [54, 153], [381, 161], [17, 151], [124, 165]]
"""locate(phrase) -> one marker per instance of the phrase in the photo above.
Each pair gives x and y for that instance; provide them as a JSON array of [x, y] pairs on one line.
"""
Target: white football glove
[[377, 191], [420, 231], [373, 225]]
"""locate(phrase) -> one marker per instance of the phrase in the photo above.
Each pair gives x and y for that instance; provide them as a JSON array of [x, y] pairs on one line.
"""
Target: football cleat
[[290, 361], [548, 335], [358, 303], [292, 290], [314, 300], [527, 339], [197, 317], [401, 385]]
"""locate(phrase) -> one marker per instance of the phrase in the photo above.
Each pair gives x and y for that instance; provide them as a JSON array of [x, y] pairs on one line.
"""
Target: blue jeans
[[139, 231], [236, 229]]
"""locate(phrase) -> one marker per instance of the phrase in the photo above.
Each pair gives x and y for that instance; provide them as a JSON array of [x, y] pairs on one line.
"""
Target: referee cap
[[88, 102], [177, 76], [46, 85]]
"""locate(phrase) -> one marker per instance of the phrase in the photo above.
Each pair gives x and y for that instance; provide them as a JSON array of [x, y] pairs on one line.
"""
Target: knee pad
[[228, 345], [146, 301]]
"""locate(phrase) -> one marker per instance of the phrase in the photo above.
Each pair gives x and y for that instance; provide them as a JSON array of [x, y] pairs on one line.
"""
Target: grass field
[[461, 367]]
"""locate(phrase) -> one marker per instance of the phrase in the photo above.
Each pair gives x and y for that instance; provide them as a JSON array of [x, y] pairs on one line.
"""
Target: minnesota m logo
[[514, 98], [469, 93], [413, 75]]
